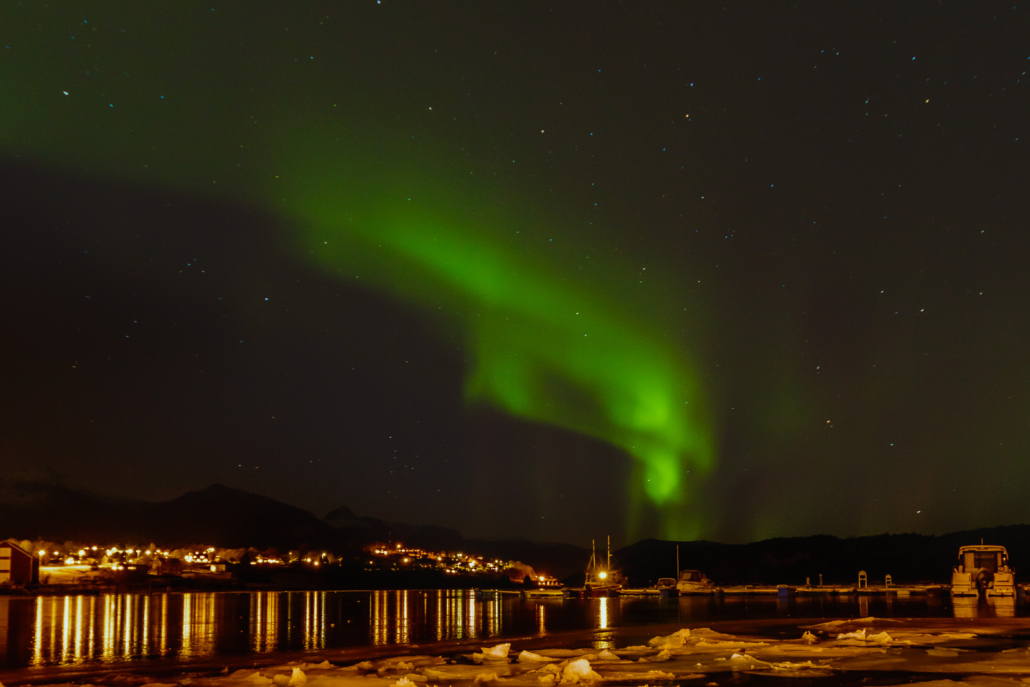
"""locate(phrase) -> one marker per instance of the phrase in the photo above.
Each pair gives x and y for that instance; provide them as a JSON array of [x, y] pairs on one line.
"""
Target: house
[[17, 566]]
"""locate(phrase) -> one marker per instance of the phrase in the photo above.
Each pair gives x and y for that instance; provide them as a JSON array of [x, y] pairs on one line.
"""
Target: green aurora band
[[580, 353], [542, 350]]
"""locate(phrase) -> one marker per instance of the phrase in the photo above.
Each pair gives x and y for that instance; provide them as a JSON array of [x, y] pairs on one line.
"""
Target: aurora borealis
[[668, 270], [540, 349]]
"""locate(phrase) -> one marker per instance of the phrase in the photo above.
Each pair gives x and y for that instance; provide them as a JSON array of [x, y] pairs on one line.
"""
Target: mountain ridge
[[231, 518]]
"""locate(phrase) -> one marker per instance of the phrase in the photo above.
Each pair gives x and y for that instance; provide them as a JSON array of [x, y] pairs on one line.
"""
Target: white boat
[[667, 586], [983, 569], [694, 582]]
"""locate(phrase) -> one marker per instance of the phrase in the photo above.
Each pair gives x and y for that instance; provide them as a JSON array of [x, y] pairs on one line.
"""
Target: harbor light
[[602, 575]]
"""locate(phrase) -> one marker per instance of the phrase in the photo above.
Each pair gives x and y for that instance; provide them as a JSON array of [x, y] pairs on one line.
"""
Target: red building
[[17, 566]]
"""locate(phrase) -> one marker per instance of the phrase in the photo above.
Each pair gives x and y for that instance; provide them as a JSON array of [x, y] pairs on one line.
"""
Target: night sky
[[555, 271]]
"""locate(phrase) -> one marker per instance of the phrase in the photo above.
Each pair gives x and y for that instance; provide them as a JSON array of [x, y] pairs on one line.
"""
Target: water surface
[[149, 629]]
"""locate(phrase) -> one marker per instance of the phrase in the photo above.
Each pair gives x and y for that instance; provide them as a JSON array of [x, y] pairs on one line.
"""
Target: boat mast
[[609, 566]]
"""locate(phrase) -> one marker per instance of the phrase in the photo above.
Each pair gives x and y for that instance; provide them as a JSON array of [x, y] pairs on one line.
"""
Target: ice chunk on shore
[[936, 651], [857, 634], [496, 653], [804, 669], [750, 661], [674, 641], [579, 670], [530, 657], [864, 636]]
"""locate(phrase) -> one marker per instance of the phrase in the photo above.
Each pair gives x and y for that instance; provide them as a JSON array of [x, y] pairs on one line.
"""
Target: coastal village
[[63, 567], [43, 567]]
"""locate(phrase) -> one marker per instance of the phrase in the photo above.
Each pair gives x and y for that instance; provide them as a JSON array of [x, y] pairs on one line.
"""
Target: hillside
[[225, 517], [906, 557]]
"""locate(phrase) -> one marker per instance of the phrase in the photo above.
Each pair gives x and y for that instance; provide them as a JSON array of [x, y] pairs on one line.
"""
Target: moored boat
[[694, 582], [667, 586], [601, 579], [983, 569]]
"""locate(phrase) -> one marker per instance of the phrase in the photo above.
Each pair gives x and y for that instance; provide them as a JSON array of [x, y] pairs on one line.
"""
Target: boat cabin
[[601, 577], [982, 557], [693, 576], [666, 583]]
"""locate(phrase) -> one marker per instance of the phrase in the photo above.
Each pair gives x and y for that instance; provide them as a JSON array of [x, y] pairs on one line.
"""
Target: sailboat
[[602, 579]]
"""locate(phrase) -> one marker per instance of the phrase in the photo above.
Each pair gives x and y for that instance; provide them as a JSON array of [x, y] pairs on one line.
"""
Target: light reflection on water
[[114, 628]]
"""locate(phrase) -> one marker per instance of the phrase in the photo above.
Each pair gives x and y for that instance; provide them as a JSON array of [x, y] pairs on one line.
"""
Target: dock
[[874, 590], [649, 591], [779, 591]]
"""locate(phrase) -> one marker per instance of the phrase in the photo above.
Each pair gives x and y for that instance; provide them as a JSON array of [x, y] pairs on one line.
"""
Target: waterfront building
[[17, 566]]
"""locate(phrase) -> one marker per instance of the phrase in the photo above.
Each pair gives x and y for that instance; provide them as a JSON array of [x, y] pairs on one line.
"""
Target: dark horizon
[[257, 512], [686, 271]]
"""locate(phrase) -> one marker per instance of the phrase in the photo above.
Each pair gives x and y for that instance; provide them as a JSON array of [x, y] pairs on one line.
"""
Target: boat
[[983, 569], [543, 593], [601, 580], [694, 582], [665, 587]]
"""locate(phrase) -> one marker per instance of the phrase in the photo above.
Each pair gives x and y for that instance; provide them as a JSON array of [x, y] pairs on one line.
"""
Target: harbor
[[982, 570]]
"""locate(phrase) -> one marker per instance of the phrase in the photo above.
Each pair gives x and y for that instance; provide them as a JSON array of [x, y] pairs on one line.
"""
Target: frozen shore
[[893, 651]]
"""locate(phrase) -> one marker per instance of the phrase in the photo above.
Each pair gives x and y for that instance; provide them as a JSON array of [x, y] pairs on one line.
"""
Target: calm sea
[[148, 629]]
